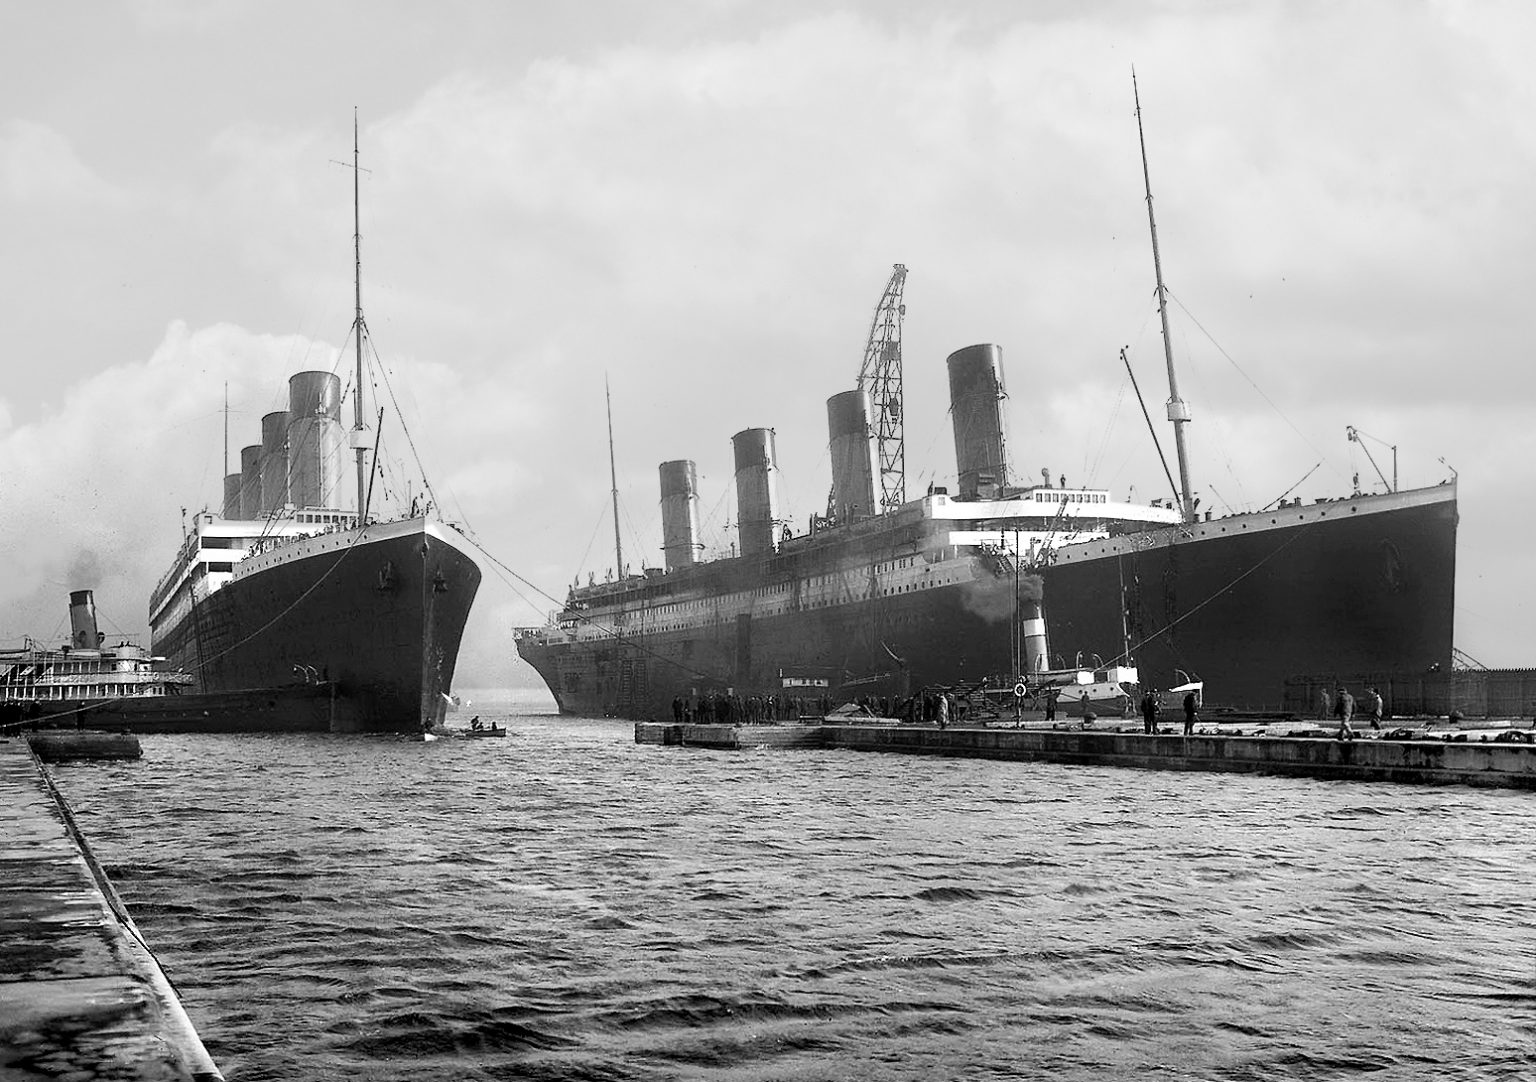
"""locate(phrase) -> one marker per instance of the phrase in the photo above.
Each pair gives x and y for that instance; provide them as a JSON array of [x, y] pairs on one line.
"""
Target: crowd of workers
[[941, 707], [730, 709]]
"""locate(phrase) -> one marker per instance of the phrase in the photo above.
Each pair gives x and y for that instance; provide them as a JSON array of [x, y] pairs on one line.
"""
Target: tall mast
[[358, 330], [613, 476], [1178, 410]]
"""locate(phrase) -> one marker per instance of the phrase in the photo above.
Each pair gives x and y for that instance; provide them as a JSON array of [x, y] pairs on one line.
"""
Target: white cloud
[[177, 15], [38, 164], [102, 478]]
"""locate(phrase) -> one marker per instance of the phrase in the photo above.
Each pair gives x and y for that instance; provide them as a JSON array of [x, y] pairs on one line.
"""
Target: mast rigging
[[359, 328], [1178, 409], [1143, 402], [1354, 435], [613, 477]]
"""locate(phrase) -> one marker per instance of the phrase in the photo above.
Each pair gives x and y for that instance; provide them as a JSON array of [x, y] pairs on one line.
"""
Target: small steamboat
[[39, 682]]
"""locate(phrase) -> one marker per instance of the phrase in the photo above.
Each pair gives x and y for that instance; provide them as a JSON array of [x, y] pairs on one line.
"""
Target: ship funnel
[[1032, 634], [82, 621], [316, 442], [274, 461], [231, 507], [679, 513], [975, 399], [250, 481], [757, 496], [314, 394], [855, 463]]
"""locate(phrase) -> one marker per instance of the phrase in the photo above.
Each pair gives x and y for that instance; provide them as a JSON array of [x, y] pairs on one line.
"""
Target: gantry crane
[[880, 375]]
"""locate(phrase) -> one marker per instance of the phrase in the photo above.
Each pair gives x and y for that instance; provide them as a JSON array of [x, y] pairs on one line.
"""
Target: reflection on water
[[564, 904]]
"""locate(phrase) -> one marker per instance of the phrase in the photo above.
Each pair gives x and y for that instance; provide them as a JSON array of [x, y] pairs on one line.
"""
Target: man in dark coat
[[1344, 709]]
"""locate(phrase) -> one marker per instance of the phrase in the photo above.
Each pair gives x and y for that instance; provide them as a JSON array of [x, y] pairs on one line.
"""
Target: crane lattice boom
[[880, 375]]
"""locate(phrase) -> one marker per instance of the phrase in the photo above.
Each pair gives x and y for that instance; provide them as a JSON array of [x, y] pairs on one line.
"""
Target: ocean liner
[[998, 580], [328, 617], [949, 588]]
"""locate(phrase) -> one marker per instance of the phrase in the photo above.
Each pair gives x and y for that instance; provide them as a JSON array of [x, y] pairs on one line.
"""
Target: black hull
[[377, 625], [303, 708], [1243, 603], [1356, 590], [889, 646]]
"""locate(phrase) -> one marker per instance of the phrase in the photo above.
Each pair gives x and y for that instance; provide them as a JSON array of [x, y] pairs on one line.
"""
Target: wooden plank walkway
[[81, 996]]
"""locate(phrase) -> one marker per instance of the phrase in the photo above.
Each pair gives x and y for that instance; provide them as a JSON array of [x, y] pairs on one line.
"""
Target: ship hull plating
[[884, 646], [377, 621], [1243, 602], [1334, 589]]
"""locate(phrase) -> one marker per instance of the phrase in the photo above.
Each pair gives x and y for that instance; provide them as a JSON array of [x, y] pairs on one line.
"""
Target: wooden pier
[[1434, 759], [81, 995]]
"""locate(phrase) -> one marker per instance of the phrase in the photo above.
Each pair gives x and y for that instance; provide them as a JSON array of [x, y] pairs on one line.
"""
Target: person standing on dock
[[1149, 712], [1191, 707], [1344, 709], [1050, 705], [943, 709], [1324, 704], [1373, 707]]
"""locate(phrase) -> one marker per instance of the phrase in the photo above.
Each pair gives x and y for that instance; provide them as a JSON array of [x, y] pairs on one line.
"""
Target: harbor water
[[565, 904]]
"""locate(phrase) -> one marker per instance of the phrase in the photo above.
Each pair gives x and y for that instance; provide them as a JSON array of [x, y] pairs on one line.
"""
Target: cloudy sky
[[700, 202]]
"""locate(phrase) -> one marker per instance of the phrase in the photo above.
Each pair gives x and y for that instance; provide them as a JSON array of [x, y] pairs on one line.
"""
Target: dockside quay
[[1435, 760], [81, 994]]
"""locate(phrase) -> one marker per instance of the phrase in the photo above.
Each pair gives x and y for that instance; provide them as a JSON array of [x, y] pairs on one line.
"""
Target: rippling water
[[564, 904]]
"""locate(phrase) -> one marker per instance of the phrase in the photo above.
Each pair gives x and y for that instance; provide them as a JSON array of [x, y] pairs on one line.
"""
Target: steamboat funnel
[[82, 621], [250, 481], [316, 441], [679, 513], [231, 508], [855, 462], [274, 461], [975, 397], [757, 497]]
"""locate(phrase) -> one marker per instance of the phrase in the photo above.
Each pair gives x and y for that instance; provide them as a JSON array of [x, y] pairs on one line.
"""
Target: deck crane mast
[[880, 375], [1356, 436]]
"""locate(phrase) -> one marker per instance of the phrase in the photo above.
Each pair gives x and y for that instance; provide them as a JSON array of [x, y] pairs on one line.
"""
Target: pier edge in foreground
[[81, 994]]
